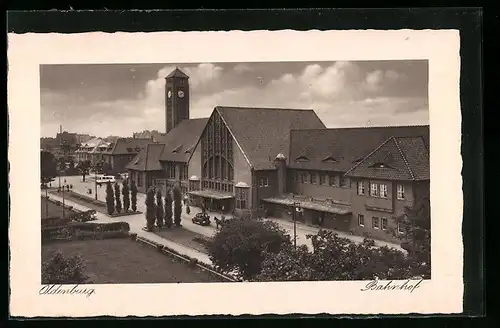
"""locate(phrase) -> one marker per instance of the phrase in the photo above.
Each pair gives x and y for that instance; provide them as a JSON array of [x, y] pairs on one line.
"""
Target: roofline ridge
[[266, 108], [404, 159], [362, 127], [371, 153]]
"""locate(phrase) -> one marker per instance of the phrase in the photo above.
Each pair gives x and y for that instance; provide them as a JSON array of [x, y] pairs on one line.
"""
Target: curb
[[170, 252]]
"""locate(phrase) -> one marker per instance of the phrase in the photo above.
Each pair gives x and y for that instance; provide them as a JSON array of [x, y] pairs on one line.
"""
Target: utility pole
[[95, 180], [46, 201], [295, 209]]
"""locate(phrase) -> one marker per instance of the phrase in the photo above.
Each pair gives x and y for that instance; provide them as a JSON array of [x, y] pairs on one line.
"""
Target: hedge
[[84, 230]]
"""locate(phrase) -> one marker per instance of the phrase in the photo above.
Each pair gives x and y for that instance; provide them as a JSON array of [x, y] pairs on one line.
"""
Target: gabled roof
[[148, 159], [92, 142], [177, 73], [126, 146], [180, 141], [262, 133], [386, 162], [348, 146]]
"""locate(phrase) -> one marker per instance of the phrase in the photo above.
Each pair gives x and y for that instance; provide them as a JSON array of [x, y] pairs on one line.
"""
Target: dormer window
[[302, 159], [330, 159], [380, 166], [190, 149], [176, 150], [357, 160], [137, 149], [136, 161]]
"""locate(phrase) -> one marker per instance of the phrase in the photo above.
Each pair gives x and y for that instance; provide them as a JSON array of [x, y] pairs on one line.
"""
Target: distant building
[[84, 152], [48, 143], [118, 154], [146, 134], [83, 138]]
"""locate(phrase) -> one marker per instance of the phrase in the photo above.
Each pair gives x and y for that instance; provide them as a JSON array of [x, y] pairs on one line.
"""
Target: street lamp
[[296, 209]]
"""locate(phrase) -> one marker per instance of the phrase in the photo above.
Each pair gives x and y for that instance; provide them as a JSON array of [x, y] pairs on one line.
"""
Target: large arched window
[[217, 156]]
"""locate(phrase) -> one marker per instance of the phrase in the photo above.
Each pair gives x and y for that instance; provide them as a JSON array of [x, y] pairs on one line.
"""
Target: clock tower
[[176, 99]]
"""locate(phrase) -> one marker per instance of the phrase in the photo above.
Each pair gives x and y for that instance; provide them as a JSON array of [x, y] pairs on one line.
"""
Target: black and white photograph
[[227, 174], [252, 171]]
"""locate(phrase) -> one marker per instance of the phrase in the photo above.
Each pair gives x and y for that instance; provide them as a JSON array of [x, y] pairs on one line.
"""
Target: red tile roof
[[179, 142], [340, 149], [398, 158], [126, 146], [263, 133], [148, 159]]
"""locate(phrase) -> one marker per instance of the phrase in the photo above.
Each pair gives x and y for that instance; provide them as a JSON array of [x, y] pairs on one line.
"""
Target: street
[[139, 220]]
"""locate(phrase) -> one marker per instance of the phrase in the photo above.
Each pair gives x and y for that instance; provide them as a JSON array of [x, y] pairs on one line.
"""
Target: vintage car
[[201, 219]]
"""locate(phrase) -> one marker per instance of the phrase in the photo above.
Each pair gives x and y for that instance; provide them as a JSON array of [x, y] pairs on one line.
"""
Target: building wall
[[337, 193], [242, 170], [119, 162], [194, 165], [272, 189]]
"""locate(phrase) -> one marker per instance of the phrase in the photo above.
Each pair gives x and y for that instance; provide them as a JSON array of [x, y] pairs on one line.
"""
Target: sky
[[119, 99]]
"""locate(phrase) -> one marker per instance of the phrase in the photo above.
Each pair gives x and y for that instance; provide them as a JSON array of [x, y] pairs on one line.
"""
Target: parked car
[[201, 219]]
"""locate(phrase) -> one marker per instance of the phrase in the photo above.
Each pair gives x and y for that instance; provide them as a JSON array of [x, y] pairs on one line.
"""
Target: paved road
[[302, 229]]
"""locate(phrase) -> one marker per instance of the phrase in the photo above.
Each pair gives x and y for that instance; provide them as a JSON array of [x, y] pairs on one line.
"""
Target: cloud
[[342, 94], [242, 68]]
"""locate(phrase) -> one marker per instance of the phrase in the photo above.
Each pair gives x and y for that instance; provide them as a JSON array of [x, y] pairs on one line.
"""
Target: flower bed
[[85, 231]]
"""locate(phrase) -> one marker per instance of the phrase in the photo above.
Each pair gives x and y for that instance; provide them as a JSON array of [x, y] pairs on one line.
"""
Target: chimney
[[280, 164]]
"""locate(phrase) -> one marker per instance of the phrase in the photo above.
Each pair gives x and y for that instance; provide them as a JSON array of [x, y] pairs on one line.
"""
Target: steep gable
[[179, 142], [148, 159], [262, 133], [346, 146], [126, 146]]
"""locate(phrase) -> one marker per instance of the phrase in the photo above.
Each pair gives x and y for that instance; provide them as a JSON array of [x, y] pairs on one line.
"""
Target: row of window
[[171, 170], [377, 223], [325, 179], [241, 198], [263, 182], [218, 185], [380, 190]]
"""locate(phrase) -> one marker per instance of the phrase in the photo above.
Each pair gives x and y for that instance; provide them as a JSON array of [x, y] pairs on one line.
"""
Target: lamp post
[[95, 181], [296, 209]]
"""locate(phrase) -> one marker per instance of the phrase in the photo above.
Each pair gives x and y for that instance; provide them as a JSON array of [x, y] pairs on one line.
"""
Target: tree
[[416, 225], [159, 209], [61, 270], [150, 209], [242, 244], [336, 258], [177, 205], [289, 264], [126, 196], [110, 198], [48, 167], [133, 195], [117, 198], [84, 168], [168, 207]]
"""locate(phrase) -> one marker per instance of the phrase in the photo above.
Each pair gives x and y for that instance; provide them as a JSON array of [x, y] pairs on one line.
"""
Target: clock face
[[169, 94], [181, 94]]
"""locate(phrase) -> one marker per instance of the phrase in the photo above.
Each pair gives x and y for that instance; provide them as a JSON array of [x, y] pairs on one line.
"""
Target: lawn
[[124, 261], [53, 209]]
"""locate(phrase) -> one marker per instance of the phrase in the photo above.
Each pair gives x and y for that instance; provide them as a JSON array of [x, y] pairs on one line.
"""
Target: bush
[[117, 198], [110, 199], [241, 245], [159, 209], [133, 195], [177, 205], [150, 209], [126, 196], [168, 207], [61, 270]]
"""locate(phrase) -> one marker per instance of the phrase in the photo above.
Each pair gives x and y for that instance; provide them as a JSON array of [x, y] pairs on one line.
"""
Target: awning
[[311, 205], [211, 194]]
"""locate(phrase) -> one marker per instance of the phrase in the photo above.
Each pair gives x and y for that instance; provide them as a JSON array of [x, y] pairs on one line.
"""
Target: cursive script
[[66, 290], [409, 285]]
